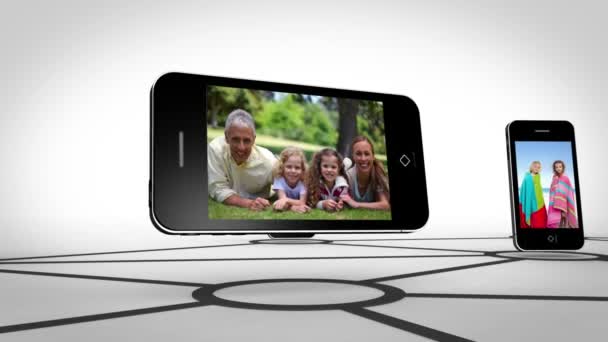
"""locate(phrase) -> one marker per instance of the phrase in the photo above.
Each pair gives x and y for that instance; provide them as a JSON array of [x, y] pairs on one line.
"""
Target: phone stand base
[[290, 241], [291, 235], [547, 255]]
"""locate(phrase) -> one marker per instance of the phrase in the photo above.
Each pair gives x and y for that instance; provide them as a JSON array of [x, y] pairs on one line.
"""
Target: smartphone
[[544, 183], [235, 156]]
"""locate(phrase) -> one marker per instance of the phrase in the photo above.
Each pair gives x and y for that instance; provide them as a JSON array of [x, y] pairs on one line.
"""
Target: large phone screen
[[275, 155]]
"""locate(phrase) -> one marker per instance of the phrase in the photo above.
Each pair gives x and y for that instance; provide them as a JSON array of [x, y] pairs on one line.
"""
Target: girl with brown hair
[[326, 181]]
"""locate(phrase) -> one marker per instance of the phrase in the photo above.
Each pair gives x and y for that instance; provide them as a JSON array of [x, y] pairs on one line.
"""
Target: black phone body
[[544, 185], [188, 150]]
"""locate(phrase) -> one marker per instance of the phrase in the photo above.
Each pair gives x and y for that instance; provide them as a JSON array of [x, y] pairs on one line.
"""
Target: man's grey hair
[[241, 118]]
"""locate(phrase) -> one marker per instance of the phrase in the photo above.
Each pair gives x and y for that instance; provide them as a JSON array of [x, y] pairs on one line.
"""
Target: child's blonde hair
[[287, 153], [534, 163]]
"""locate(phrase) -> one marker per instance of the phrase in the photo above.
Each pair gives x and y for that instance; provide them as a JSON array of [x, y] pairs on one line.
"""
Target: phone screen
[[302, 156], [546, 179]]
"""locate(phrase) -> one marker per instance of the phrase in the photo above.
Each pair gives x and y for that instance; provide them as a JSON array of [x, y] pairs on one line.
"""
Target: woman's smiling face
[[363, 156]]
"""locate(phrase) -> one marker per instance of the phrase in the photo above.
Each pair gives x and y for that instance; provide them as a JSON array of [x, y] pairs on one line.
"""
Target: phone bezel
[[547, 238], [178, 104]]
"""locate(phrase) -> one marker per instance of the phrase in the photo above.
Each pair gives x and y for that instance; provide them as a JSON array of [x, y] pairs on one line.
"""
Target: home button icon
[[405, 160]]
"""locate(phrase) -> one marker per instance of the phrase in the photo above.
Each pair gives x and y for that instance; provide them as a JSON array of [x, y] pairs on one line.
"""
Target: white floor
[[441, 289]]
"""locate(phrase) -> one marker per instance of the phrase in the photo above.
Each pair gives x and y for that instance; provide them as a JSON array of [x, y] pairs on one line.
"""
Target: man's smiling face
[[241, 140]]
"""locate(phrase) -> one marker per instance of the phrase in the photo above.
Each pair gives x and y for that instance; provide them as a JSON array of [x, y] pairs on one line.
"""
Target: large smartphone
[[545, 192], [242, 156]]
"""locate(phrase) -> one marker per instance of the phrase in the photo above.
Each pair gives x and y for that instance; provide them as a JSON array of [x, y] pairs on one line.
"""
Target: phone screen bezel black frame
[[178, 196], [544, 238]]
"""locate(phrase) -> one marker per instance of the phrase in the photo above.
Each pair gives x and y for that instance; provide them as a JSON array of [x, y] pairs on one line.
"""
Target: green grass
[[221, 211]]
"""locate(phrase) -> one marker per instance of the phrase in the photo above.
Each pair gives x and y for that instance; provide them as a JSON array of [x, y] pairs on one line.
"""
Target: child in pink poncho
[[562, 199]]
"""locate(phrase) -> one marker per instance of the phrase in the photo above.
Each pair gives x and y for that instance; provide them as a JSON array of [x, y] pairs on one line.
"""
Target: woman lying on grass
[[368, 180]]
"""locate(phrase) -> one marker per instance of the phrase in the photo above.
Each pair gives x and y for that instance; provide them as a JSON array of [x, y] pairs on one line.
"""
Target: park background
[[309, 122]]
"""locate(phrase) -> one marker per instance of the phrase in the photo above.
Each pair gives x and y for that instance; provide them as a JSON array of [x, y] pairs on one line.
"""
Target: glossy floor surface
[[305, 290]]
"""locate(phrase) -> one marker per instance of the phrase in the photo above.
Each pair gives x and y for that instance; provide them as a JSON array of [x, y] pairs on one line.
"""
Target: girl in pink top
[[326, 181], [562, 199]]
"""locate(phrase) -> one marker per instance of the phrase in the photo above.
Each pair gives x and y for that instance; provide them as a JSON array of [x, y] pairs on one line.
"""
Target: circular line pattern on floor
[[212, 295], [372, 292]]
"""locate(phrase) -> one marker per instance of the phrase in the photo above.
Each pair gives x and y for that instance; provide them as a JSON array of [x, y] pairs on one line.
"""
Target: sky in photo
[[546, 152]]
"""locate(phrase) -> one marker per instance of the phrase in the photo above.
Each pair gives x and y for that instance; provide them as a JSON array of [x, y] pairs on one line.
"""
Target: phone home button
[[552, 238], [405, 160]]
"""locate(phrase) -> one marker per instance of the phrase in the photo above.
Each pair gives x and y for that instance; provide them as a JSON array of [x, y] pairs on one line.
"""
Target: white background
[[75, 82]]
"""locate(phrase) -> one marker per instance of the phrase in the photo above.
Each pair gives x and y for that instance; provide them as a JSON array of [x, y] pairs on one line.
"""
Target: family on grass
[[562, 199], [243, 174]]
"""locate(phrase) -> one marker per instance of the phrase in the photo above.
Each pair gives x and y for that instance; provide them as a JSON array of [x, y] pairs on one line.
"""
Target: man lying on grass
[[240, 172]]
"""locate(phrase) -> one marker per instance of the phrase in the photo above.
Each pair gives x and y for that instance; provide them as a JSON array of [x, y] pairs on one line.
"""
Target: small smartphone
[[235, 156], [544, 183]]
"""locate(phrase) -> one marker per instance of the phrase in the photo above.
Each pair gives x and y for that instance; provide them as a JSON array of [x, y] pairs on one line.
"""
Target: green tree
[[223, 100], [294, 119], [319, 128], [347, 124], [283, 118]]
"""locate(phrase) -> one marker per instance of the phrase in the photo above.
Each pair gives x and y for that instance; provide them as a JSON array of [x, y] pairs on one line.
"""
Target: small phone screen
[[546, 178], [304, 156]]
